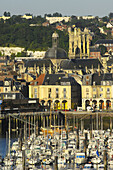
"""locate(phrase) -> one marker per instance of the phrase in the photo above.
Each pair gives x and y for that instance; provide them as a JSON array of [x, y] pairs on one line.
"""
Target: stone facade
[[78, 43]]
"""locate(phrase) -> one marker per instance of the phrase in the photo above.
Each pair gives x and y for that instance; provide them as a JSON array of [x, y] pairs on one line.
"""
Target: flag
[[97, 153]]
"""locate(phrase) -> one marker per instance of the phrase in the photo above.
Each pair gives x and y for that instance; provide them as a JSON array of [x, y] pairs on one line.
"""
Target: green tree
[[103, 49]]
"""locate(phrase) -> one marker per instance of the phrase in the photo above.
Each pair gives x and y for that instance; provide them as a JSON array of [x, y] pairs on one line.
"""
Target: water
[[3, 147], [4, 143]]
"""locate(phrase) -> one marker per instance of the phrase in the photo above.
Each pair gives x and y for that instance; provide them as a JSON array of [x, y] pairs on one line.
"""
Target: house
[[27, 16], [95, 53], [109, 25], [97, 91], [10, 89], [57, 19], [59, 91]]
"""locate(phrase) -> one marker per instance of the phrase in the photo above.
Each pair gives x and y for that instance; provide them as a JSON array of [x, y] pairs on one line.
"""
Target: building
[[57, 19], [86, 17], [10, 90], [81, 66], [79, 42], [108, 43], [95, 53], [97, 91], [36, 66], [5, 17], [57, 90], [27, 16], [109, 25], [56, 54]]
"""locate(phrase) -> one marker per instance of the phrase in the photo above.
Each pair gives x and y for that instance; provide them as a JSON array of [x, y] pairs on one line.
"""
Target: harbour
[[56, 140]]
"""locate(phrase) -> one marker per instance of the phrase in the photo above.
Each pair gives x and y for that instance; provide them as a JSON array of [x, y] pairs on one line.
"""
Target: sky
[[65, 7]]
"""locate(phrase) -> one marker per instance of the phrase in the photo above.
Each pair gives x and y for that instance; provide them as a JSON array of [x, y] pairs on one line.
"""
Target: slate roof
[[80, 64], [51, 79], [38, 62], [97, 79], [56, 53], [110, 62], [104, 41], [102, 77]]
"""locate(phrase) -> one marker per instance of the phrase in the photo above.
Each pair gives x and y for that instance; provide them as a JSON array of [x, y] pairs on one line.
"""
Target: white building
[[86, 17], [27, 16], [4, 17], [57, 19], [109, 25]]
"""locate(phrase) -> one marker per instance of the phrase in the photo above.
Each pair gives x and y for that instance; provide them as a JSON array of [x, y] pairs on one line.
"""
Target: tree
[[110, 15], [7, 14], [105, 19], [56, 14], [103, 49]]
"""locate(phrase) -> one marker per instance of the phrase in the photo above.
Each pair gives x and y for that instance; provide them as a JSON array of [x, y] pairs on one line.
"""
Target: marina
[[55, 140]]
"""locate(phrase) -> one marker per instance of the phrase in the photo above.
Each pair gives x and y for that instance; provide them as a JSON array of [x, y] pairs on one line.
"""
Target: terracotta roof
[[39, 80]]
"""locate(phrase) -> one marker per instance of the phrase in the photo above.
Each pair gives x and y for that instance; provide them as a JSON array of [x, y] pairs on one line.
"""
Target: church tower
[[55, 40]]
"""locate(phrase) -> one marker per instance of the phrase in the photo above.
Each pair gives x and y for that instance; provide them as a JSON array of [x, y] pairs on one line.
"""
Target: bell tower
[[55, 40]]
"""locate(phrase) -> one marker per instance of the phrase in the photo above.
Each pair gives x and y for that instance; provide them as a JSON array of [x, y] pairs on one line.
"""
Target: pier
[[96, 120]]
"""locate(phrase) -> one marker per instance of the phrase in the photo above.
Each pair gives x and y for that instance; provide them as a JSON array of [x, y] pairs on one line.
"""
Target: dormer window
[[94, 83], [6, 83]]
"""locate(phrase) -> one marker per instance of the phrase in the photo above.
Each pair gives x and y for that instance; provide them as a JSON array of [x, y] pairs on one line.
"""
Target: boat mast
[[9, 135], [50, 116]]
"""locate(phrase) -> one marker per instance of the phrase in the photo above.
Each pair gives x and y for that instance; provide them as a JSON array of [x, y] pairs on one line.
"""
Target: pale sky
[[65, 7]]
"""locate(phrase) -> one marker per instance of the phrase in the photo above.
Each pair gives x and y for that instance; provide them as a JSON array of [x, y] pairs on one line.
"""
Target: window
[[35, 92], [6, 83], [94, 96], [101, 95], [49, 90], [49, 93], [94, 83], [56, 90], [104, 83], [94, 89], [64, 95], [108, 83], [64, 92], [87, 89], [57, 95], [108, 90], [101, 89]]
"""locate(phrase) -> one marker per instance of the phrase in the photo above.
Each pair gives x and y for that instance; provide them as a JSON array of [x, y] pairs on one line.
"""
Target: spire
[[86, 69], [92, 69]]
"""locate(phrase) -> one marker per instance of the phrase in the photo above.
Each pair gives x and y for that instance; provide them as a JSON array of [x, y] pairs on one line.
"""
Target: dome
[[56, 53]]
